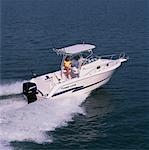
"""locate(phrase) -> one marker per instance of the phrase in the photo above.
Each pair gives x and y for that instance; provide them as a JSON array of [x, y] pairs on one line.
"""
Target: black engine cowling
[[30, 91]]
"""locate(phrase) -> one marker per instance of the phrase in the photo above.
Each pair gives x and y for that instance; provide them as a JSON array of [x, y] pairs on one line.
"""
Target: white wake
[[22, 122], [11, 88]]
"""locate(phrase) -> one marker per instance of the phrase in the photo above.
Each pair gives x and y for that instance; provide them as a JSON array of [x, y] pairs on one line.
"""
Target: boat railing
[[114, 56], [93, 57], [109, 57]]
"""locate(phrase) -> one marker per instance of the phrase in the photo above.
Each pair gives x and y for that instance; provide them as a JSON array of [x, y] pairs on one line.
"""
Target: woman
[[67, 67]]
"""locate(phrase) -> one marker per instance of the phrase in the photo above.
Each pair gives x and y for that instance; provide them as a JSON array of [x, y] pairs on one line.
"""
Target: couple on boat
[[72, 67]]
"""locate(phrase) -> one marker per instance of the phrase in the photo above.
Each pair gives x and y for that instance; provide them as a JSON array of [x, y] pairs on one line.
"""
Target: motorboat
[[92, 72]]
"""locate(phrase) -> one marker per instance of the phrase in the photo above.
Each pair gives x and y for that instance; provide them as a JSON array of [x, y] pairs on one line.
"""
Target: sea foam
[[20, 121], [11, 88]]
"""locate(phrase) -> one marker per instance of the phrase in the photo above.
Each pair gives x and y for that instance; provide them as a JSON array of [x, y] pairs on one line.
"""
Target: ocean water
[[115, 116]]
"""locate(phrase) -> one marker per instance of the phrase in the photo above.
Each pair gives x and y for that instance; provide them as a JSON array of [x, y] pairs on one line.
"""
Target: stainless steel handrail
[[117, 56]]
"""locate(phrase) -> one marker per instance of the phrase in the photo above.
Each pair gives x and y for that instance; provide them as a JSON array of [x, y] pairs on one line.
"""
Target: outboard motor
[[30, 91]]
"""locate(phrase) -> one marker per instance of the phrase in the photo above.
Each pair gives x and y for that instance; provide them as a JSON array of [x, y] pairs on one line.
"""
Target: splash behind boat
[[93, 72]]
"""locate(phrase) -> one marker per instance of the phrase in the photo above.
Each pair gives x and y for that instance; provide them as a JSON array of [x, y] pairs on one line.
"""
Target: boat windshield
[[84, 57], [90, 59]]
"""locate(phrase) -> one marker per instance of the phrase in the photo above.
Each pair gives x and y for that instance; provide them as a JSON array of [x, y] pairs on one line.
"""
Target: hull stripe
[[79, 87]]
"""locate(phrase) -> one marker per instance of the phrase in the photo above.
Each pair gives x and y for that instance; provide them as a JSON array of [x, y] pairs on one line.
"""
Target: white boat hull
[[87, 90], [81, 86]]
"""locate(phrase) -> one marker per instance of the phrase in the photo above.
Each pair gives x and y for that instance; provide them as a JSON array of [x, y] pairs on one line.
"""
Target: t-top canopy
[[74, 49]]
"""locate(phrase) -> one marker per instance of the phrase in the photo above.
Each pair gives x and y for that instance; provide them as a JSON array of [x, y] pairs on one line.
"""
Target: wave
[[22, 122], [11, 88], [5, 145]]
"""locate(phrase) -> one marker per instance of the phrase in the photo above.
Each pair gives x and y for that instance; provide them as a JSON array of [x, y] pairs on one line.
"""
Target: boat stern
[[30, 91]]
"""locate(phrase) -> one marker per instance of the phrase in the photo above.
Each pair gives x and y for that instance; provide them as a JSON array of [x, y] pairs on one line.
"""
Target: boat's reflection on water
[[98, 104]]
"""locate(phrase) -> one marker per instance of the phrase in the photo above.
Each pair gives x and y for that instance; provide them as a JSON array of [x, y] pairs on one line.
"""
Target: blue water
[[113, 117]]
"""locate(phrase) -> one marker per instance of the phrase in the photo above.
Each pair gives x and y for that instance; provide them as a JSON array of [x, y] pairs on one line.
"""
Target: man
[[75, 67]]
